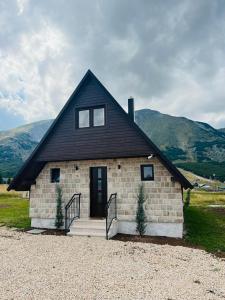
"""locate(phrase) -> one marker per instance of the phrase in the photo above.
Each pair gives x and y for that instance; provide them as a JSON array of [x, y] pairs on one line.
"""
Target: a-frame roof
[[137, 142]]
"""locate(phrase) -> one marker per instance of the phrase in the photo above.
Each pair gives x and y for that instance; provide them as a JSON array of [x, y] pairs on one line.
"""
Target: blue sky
[[8, 120], [168, 55]]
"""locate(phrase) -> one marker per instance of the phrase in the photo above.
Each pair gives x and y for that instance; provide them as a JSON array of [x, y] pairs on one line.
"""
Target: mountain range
[[192, 145]]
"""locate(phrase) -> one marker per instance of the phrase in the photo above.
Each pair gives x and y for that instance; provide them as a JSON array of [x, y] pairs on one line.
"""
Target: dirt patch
[[161, 240], [218, 210], [220, 254], [53, 232], [4, 206]]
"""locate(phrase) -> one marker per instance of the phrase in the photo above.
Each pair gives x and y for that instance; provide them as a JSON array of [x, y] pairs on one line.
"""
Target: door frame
[[105, 191]]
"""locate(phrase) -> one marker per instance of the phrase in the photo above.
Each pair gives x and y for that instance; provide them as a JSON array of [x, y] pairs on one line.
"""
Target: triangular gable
[[119, 138]]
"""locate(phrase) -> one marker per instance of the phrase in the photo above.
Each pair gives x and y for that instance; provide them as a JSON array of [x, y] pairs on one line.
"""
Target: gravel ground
[[60, 267]]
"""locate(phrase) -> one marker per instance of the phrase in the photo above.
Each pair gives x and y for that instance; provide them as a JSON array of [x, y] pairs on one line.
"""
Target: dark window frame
[[91, 116], [52, 175], [142, 172]]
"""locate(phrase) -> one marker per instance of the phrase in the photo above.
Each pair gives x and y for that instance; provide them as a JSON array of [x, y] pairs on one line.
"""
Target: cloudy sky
[[169, 55]]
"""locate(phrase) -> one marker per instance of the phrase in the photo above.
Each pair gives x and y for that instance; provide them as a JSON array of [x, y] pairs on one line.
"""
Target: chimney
[[131, 108]]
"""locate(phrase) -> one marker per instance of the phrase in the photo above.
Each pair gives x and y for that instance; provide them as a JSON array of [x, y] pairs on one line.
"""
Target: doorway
[[98, 191]]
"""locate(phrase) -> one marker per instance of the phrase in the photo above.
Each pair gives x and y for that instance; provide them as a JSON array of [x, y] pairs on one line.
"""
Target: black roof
[[62, 142]]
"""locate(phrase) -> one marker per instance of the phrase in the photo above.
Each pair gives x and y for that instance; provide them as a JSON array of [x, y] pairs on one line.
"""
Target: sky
[[169, 55]]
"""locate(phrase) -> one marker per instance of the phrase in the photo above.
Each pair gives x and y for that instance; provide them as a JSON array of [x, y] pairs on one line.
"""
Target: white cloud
[[168, 55], [35, 76], [22, 4]]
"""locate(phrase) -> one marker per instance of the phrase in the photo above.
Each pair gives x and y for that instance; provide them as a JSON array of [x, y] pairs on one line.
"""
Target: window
[[147, 172], [55, 175], [99, 117], [91, 117], [84, 120]]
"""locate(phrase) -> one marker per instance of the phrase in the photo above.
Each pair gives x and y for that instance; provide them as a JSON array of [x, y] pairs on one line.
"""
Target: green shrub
[[59, 214], [140, 215], [188, 198]]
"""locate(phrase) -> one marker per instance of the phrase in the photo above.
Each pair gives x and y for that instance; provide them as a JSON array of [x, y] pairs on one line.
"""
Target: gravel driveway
[[60, 267]]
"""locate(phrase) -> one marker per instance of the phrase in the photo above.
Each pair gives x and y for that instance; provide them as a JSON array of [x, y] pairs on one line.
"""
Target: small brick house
[[98, 155]]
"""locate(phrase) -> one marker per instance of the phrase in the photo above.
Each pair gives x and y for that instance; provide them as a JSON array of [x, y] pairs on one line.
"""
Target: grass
[[206, 225], [14, 210]]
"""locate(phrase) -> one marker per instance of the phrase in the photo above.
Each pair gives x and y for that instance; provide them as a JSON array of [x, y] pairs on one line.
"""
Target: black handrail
[[72, 210], [111, 212]]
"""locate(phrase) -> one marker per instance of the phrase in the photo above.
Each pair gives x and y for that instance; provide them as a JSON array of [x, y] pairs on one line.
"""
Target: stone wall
[[163, 197]]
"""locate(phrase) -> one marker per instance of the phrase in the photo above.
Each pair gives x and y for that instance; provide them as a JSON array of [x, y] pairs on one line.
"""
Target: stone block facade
[[163, 195]]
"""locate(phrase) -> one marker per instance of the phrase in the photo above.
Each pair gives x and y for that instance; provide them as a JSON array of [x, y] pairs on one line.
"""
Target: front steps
[[92, 227]]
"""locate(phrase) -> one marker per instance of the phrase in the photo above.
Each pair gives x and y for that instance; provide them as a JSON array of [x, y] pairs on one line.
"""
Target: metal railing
[[72, 210], [111, 212]]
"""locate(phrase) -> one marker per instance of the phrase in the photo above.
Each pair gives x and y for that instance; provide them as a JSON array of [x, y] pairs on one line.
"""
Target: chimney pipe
[[131, 108]]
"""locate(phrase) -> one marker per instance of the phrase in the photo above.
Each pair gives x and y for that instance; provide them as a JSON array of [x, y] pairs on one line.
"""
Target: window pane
[[99, 184], [55, 175], [148, 172], [99, 199], [99, 117], [99, 173], [84, 118]]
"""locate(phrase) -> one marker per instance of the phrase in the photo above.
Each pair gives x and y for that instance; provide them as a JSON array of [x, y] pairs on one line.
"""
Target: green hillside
[[182, 139], [211, 169], [222, 130], [17, 144], [34, 131]]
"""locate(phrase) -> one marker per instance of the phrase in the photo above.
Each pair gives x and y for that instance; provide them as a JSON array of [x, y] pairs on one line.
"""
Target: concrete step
[[88, 222], [86, 232], [91, 227], [86, 226]]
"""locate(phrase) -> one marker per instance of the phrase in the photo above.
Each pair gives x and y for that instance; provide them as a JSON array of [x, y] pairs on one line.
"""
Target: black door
[[98, 191]]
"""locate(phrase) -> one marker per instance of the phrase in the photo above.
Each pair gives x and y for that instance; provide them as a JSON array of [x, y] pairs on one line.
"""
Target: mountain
[[16, 145], [222, 130], [191, 145], [182, 139], [35, 130]]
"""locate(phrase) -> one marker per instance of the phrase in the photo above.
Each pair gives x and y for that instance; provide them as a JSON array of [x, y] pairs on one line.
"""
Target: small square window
[[55, 175], [84, 119], [99, 116], [147, 172]]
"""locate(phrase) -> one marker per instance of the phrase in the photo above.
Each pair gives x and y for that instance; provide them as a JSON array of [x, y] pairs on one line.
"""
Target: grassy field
[[205, 225], [14, 209]]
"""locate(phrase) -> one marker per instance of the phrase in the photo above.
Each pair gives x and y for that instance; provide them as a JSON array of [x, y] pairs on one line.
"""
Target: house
[[99, 156], [221, 187]]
